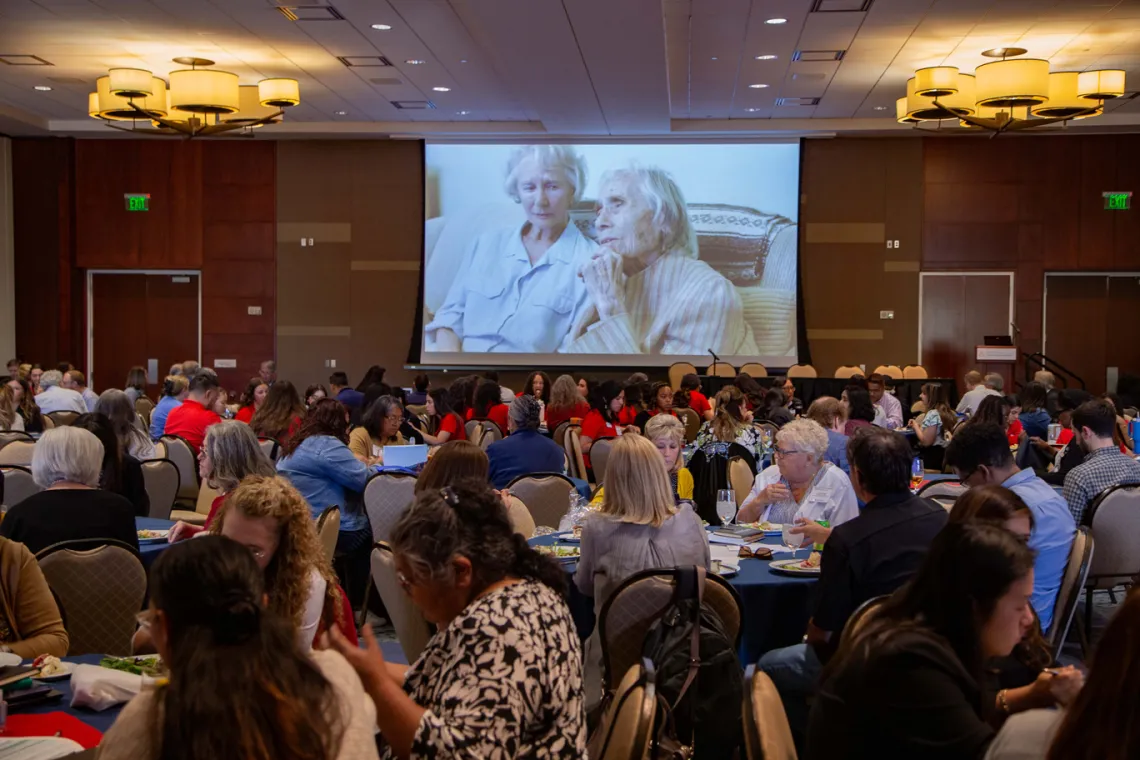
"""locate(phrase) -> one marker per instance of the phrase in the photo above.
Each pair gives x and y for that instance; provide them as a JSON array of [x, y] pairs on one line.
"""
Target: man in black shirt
[[863, 558]]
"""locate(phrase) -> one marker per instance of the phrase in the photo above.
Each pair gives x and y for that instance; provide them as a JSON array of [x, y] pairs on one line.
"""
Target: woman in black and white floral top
[[502, 678]]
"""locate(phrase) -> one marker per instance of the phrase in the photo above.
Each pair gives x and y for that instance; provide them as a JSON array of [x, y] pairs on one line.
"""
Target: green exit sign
[[137, 201], [1117, 201]]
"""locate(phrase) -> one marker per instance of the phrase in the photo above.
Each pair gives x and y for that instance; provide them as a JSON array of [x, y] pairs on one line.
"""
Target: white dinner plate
[[792, 567], [69, 668], [727, 570]]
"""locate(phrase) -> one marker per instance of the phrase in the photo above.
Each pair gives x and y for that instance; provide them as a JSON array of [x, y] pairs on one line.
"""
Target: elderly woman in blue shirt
[[518, 289]]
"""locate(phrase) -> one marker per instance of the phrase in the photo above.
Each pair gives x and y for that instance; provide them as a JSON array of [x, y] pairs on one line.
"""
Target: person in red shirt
[[447, 424], [190, 420], [565, 403], [637, 390], [489, 405], [251, 399], [280, 414], [602, 421], [698, 401], [661, 398]]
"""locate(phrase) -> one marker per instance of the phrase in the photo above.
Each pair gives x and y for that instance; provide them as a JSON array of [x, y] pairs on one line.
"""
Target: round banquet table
[[776, 607], [149, 550]]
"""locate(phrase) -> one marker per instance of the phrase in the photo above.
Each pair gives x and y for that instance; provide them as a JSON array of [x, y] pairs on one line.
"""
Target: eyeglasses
[[257, 552], [395, 418], [778, 453]]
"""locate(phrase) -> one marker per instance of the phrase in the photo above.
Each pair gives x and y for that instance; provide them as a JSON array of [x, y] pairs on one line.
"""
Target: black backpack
[[700, 684]]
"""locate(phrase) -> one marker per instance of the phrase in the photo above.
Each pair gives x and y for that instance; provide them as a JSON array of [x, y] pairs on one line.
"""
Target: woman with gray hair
[[802, 487], [648, 293], [518, 289], [525, 451], [229, 454], [124, 419], [67, 463]]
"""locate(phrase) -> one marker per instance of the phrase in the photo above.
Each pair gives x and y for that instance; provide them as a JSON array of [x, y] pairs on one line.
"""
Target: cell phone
[[33, 696]]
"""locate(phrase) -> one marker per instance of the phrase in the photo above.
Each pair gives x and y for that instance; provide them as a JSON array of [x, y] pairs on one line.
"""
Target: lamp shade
[[1100, 85], [962, 102], [279, 93], [130, 83], [112, 106], [155, 103], [901, 113], [921, 107], [1063, 99], [176, 114], [204, 91], [936, 81], [250, 109], [1020, 113], [93, 105], [1013, 82]]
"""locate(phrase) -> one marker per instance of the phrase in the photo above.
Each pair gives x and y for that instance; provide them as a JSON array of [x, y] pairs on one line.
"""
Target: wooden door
[[148, 320], [1075, 311], [958, 311]]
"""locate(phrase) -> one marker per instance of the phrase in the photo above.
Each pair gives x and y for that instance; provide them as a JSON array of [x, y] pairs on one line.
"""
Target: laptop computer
[[405, 456], [997, 340]]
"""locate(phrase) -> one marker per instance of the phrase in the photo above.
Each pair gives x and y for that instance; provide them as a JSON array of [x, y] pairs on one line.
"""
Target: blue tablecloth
[[149, 550], [776, 606]]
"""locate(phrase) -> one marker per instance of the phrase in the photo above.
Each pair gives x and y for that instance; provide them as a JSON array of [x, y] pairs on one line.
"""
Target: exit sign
[[137, 201], [1117, 201]]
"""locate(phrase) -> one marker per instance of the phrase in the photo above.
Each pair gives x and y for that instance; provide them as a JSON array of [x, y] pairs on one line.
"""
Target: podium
[[1000, 360]]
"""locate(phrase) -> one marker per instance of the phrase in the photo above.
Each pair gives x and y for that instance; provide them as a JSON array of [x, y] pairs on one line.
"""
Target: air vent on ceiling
[[797, 101], [68, 80], [809, 76], [818, 55], [310, 13], [413, 105], [364, 61], [841, 6], [18, 59], [386, 80]]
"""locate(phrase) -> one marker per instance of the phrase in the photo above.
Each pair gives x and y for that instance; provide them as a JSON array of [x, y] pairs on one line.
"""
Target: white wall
[[7, 256]]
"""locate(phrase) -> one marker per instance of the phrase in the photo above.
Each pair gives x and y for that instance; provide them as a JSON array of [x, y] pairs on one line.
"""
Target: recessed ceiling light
[[880, 108], [767, 57], [413, 61], [463, 60], [462, 113], [43, 88], [714, 58], [442, 89], [751, 110], [340, 113], [776, 21], [381, 27], [757, 86]]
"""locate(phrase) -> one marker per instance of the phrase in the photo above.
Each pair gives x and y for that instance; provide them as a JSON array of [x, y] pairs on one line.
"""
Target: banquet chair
[[271, 447], [17, 452], [1076, 573], [599, 455], [489, 432], [7, 436], [160, 450], [474, 431], [640, 600], [62, 418], [845, 372], [201, 511], [49, 423], [141, 424], [755, 369], [145, 408], [160, 478], [943, 492], [417, 409], [572, 445], [522, 522], [625, 729], [767, 734], [559, 434], [892, 371], [179, 451], [412, 631], [387, 495], [720, 369], [100, 592], [18, 484], [914, 372], [692, 422], [328, 528], [545, 494], [860, 617], [740, 478], [1113, 519], [802, 370], [678, 370], [770, 427]]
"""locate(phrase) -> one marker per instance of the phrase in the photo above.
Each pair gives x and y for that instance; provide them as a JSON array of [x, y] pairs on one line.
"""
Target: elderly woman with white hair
[[802, 487], [525, 451], [67, 463], [518, 288], [648, 292]]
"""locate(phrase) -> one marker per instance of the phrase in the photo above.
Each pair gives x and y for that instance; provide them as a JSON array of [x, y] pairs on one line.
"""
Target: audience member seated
[[829, 414], [638, 391], [802, 485], [1034, 416], [607, 401], [67, 463], [977, 388], [251, 399], [698, 402], [175, 388], [1104, 465], [30, 624], [860, 411], [453, 462], [420, 387], [443, 423], [979, 454], [888, 409], [503, 676], [319, 464], [537, 384], [73, 380], [731, 423], [135, 387], [873, 554], [55, 398], [374, 375], [638, 527], [35, 372], [525, 451], [487, 404], [565, 403], [1120, 435], [268, 372], [190, 420], [342, 392], [230, 453], [661, 402], [910, 682], [753, 392], [379, 427], [314, 393], [10, 418], [1052, 393], [29, 412], [124, 421], [1100, 723], [585, 385], [668, 435], [794, 405], [13, 367], [773, 410], [280, 414], [229, 658], [461, 395], [1015, 430], [932, 430], [121, 473]]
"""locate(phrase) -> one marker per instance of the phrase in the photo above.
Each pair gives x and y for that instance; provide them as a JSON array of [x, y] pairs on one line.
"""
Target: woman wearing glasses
[[379, 427]]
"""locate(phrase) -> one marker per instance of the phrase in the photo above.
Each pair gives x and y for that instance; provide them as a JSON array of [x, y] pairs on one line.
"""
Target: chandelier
[[197, 102], [1007, 95]]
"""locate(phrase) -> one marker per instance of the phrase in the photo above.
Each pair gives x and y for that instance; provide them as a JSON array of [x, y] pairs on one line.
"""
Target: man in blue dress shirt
[[525, 451]]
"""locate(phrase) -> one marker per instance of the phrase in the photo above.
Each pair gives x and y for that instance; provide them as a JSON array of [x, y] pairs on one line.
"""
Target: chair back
[[489, 432], [625, 730], [740, 478], [860, 617], [474, 431], [767, 734], [720, 369], [160, 450], [802, 370], [632, 608], [572, 445], [545, 494], [412, 631], [914, 372], [62, 418], [141, 424], [271, 447], [1076, 573], [692, 422], [599, 455], [678, 370], [1114, 522], [420, 410], [17, 452], [161, 480], [559, 434], [7, 436], [386, 497], [144, 407], [179, 451], [18, 484], [328, 529], [771, 428], [100, 591], [49, 423], [521, 519], [755, 369], [847, 371], [943, 492]]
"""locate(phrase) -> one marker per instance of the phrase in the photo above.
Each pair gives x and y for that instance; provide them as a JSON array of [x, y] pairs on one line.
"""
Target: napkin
[[99, 688]]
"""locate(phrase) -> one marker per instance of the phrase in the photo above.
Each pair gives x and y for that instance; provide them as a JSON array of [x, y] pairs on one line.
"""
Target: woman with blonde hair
[[638, 527], [565, 403], [731, 423]]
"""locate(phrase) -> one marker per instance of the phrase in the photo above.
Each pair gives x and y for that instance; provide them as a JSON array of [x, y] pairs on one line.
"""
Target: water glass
[[791, 540], [726, 505]]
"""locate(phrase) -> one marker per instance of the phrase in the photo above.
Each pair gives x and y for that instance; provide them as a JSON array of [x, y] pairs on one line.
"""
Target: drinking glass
[[791, 540], [726, 505], [917, 473]]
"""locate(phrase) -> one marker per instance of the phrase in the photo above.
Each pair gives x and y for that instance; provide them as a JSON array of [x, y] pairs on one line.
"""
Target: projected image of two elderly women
[[635, 285]]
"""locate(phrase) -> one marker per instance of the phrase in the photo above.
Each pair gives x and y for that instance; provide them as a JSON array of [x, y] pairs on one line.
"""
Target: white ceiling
[[558, 67]]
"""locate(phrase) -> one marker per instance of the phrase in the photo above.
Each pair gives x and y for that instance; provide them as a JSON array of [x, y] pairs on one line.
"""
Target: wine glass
[[917, 473], [726, 505], [791, 540]]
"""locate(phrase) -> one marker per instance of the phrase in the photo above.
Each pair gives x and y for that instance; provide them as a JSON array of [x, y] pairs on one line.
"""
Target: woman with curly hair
[[538, 385], [251, 399], [281, 413]]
